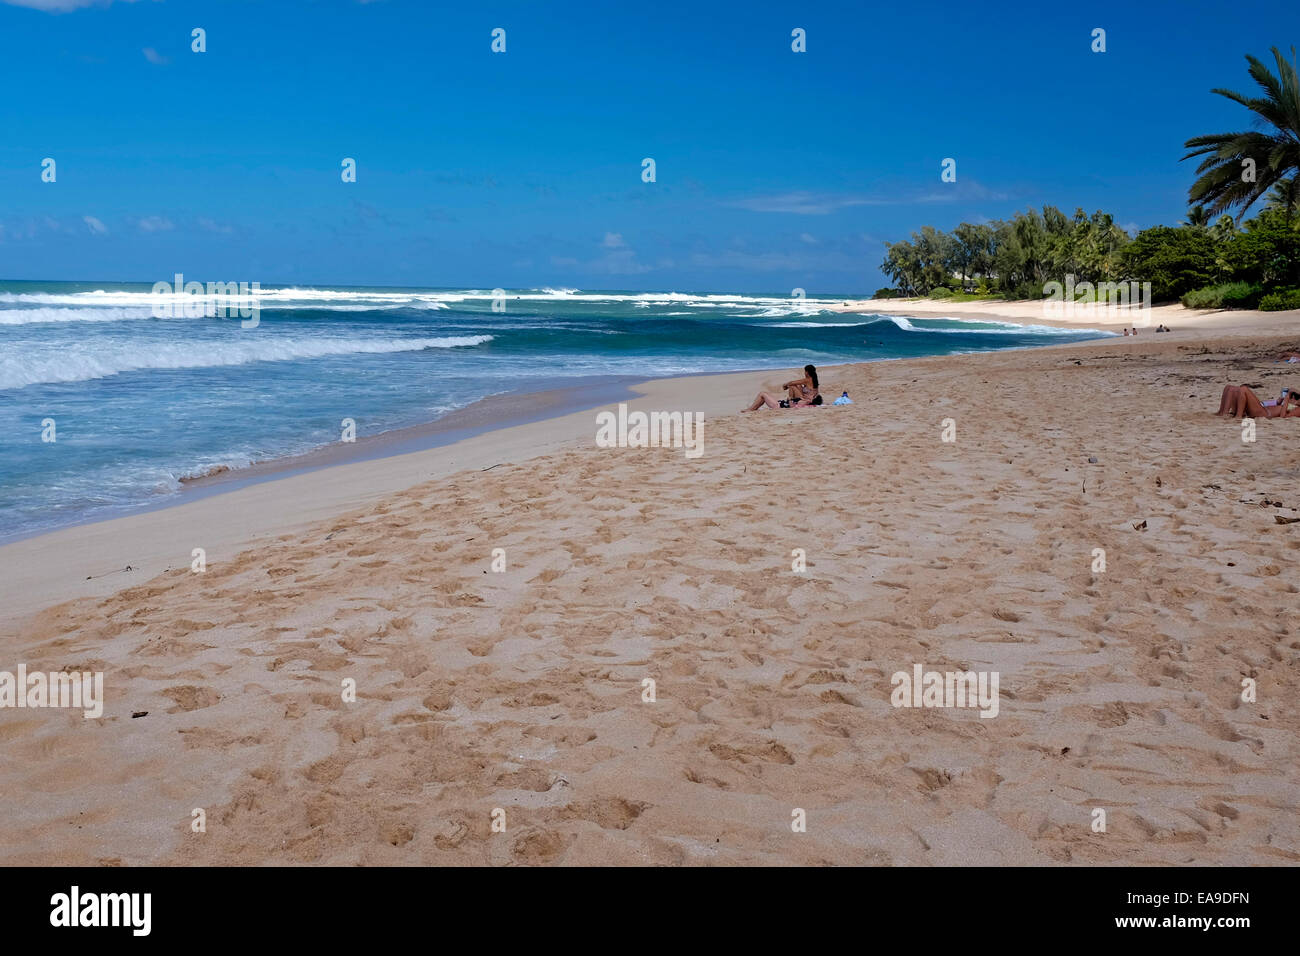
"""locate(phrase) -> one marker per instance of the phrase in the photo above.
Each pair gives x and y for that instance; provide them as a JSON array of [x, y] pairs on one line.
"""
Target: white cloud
[[209, 225], [155, 224], [95, 226], [804, 203], [154, 57], [808, 238], [613, 240]]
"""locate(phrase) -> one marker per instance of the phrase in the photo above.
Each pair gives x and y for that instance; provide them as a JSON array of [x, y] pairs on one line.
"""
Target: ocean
[[136, 403]]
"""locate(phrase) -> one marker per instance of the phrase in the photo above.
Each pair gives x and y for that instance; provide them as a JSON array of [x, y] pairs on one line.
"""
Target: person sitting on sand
[[803, 393], [1240, 401]]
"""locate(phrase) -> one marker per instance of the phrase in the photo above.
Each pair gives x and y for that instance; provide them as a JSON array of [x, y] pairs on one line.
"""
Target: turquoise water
[[141, 401]]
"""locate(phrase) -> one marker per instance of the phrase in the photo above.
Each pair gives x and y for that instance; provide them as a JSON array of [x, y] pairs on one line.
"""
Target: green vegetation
[[1204, 261], [1229, 295], [1280, 301], [1009, 259], [1174, 261], [1239, 168]]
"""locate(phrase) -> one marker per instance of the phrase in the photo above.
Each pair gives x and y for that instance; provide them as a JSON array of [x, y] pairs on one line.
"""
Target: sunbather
[[1240, 401], [801, 393]]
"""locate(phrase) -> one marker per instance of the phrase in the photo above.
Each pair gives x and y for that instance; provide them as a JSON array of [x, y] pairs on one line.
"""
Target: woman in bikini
[[802, 393], [1240, 401]]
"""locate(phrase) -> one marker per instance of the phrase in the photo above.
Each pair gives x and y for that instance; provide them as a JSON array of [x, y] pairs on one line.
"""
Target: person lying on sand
[[1240, 401], [802, 392]]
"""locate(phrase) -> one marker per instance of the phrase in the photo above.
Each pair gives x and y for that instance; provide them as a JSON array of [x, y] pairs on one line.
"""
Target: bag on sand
[[843, 400]]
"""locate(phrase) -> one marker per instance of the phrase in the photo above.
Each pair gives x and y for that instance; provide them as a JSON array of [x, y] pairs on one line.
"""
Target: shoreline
[[482, 416], [337, 472], [272, 497], [492, 412], [511, 408]]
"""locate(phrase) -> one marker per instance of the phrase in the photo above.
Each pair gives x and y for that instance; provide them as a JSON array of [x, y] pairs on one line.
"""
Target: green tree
[[1102, 245], [1267, 252], [1222, 184], [1285, 198], [1198, 217], [1174, 261], [902, 265], [1030, 248], [974, 250], [1224, 228]]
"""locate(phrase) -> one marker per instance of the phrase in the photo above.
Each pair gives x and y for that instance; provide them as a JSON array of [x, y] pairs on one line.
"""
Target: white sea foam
[[813, 325], [271, 298], [46, 314], [986, 326], [137, 307], [80, 361]]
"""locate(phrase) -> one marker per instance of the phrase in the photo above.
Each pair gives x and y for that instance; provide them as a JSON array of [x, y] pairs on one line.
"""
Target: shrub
[[1280, 301], [887, 294], [1209, 297], [1241, 295], [1229, 295], [941, 292]]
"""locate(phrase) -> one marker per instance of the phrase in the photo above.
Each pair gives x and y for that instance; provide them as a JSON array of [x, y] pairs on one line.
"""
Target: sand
[[1101, 316], [522, 691]]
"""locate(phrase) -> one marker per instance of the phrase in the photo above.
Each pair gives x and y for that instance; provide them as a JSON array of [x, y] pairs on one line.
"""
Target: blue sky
[[775, 169]]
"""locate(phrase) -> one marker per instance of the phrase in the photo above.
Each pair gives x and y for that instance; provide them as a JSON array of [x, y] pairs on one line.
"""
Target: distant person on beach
[[802, 393], [1240, 401]]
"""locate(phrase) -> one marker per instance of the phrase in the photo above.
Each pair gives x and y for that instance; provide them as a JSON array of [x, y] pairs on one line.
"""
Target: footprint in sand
[[609, 813], [538, 846], [189, 697]]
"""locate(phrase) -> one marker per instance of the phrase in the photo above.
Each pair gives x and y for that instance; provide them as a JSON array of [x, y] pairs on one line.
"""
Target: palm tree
[[1285, 197], [1198, 217], [1275, 151], [1224, 228]]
